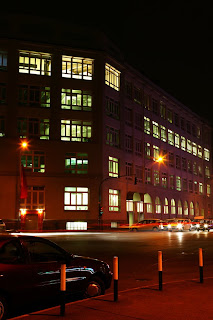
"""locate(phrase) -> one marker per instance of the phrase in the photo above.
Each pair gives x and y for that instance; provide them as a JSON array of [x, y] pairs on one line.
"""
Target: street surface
[[138, 255]]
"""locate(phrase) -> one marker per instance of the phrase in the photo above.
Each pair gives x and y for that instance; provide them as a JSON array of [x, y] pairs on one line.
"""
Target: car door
[[15, 273], [46, 260]]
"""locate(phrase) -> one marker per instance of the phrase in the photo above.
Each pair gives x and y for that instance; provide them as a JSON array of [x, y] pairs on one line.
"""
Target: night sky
[[168, 41]]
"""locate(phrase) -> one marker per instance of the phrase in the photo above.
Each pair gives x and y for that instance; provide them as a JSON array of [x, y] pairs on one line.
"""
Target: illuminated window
[[2, 126], [178, 183], [112, 137], [207, 172], [129, 206], [163, 133], [192, 210], [183, 143], [147, 150], [156, 153], [112, 108], [171, 137], [194, 149], [156, 178], [114, 200], [177, 140], [185, 208], [3, 60], [77, 67], [112, 77], [76, 100], [35, 63], [195, 167], [180, 209], [157, 205], [173, 208], [140, 206], [156, 130], [34, 96], [166, 206], [199, 151], [148, 179], [147, 125], [164, 180], [208, 190], [35, 198], [206, 154], [200, 188], [113, 167], [76, 163], [76, 130], [3, 91], [195, 187], [33, 128], [76, 198], [33, 161], [189, 146]]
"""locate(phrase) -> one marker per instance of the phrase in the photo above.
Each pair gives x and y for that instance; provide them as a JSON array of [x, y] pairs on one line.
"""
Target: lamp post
[[23, 145]]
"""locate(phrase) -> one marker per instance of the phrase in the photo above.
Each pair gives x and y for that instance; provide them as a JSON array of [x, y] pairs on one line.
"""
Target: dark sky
[[168, 41]]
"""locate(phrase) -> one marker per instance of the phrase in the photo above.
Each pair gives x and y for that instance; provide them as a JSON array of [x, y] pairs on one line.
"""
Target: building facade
[[105, 145]]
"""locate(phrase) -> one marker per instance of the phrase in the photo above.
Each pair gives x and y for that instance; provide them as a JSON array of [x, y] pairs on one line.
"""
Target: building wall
[[131, 99]]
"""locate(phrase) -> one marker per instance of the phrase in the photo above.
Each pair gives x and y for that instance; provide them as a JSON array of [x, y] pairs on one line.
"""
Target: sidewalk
[[178, 300]]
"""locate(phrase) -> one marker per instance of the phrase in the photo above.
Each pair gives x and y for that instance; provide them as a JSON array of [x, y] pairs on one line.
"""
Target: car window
[[10, 253], [43, 252]]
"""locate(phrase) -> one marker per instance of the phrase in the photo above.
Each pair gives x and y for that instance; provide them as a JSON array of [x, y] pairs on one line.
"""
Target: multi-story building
[[95, 129]]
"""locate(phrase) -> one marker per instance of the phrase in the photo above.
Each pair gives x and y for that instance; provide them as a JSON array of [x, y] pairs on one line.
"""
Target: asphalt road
[[138, 253]]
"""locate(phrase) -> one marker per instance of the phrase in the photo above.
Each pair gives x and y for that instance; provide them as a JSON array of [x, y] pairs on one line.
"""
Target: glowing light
[[40, 211], [160, 159], [23, 211]]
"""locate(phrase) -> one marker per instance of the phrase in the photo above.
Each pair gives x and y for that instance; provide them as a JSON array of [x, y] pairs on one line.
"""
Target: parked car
[[177, 224], [30, 269], [2, 226], [147, 225]]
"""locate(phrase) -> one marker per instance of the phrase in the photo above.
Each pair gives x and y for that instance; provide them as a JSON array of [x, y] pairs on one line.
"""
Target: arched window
[[192, 211], [180, 209], [197, 211], [148, 203], [157, 205], [173, 209], [186, 208], [166, 206]]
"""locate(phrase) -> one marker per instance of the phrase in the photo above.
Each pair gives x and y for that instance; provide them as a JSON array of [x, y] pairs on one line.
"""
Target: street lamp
[[23, 145]]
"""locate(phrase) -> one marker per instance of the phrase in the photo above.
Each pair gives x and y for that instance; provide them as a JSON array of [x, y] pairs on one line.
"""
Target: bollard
[[160, 269], [201, 264], [63, 289], [115, 275]]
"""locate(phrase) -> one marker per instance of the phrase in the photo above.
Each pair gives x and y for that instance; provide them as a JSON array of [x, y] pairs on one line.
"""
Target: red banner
[[23, 191]]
